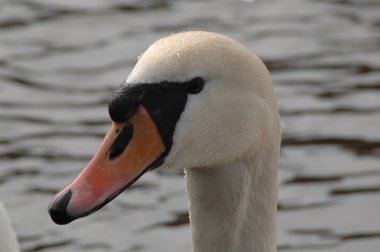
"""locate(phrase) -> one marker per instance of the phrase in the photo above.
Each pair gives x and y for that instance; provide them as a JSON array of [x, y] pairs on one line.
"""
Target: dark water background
[[61, 60]]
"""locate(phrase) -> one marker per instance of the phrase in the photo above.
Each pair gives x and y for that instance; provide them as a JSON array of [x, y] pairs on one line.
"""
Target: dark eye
[[195, 85]]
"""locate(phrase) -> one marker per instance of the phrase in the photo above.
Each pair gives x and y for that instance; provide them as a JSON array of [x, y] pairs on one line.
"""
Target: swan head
[[193, 99]]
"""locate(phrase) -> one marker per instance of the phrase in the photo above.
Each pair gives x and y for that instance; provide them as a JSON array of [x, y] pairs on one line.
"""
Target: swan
[[8, 239], [203, 103]]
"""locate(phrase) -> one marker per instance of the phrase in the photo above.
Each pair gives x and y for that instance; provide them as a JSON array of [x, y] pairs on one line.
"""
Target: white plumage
[[227, 139], [8, 239]]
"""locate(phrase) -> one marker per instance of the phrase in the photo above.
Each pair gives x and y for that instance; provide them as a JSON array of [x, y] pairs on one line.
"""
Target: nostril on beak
[[58, 208], [121, 142]]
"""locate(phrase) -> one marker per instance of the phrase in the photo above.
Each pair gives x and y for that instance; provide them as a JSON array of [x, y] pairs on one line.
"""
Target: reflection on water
[[61, 60]]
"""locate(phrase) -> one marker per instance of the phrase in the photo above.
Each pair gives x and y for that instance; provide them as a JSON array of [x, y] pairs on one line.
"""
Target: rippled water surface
[[61, 60]]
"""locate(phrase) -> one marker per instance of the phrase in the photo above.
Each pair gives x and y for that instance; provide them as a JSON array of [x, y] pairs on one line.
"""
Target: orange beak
[[128, 150]]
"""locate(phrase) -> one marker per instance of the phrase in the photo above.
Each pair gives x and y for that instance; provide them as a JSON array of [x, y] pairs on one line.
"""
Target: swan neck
[[233, 207], [8, 239]]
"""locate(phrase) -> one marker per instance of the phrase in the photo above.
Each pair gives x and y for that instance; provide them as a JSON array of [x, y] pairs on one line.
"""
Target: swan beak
[[128, 150]]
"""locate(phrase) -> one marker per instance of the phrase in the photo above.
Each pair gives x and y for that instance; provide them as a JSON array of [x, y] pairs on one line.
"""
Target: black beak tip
[[58, 209]]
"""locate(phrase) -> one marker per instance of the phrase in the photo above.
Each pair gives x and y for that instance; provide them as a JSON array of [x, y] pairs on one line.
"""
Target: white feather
[[227, 139], [8, 239]]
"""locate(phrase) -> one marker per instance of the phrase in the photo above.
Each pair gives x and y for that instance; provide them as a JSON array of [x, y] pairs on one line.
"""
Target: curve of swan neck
[[233, 207], [8, 240]]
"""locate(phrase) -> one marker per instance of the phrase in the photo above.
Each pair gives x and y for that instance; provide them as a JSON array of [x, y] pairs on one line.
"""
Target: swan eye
[[195, 85]]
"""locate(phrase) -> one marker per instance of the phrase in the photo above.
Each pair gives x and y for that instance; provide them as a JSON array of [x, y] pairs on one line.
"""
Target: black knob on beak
[[124, 103]]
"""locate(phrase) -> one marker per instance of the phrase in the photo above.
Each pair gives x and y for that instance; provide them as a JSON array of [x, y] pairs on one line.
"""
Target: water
[[61, 60]]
